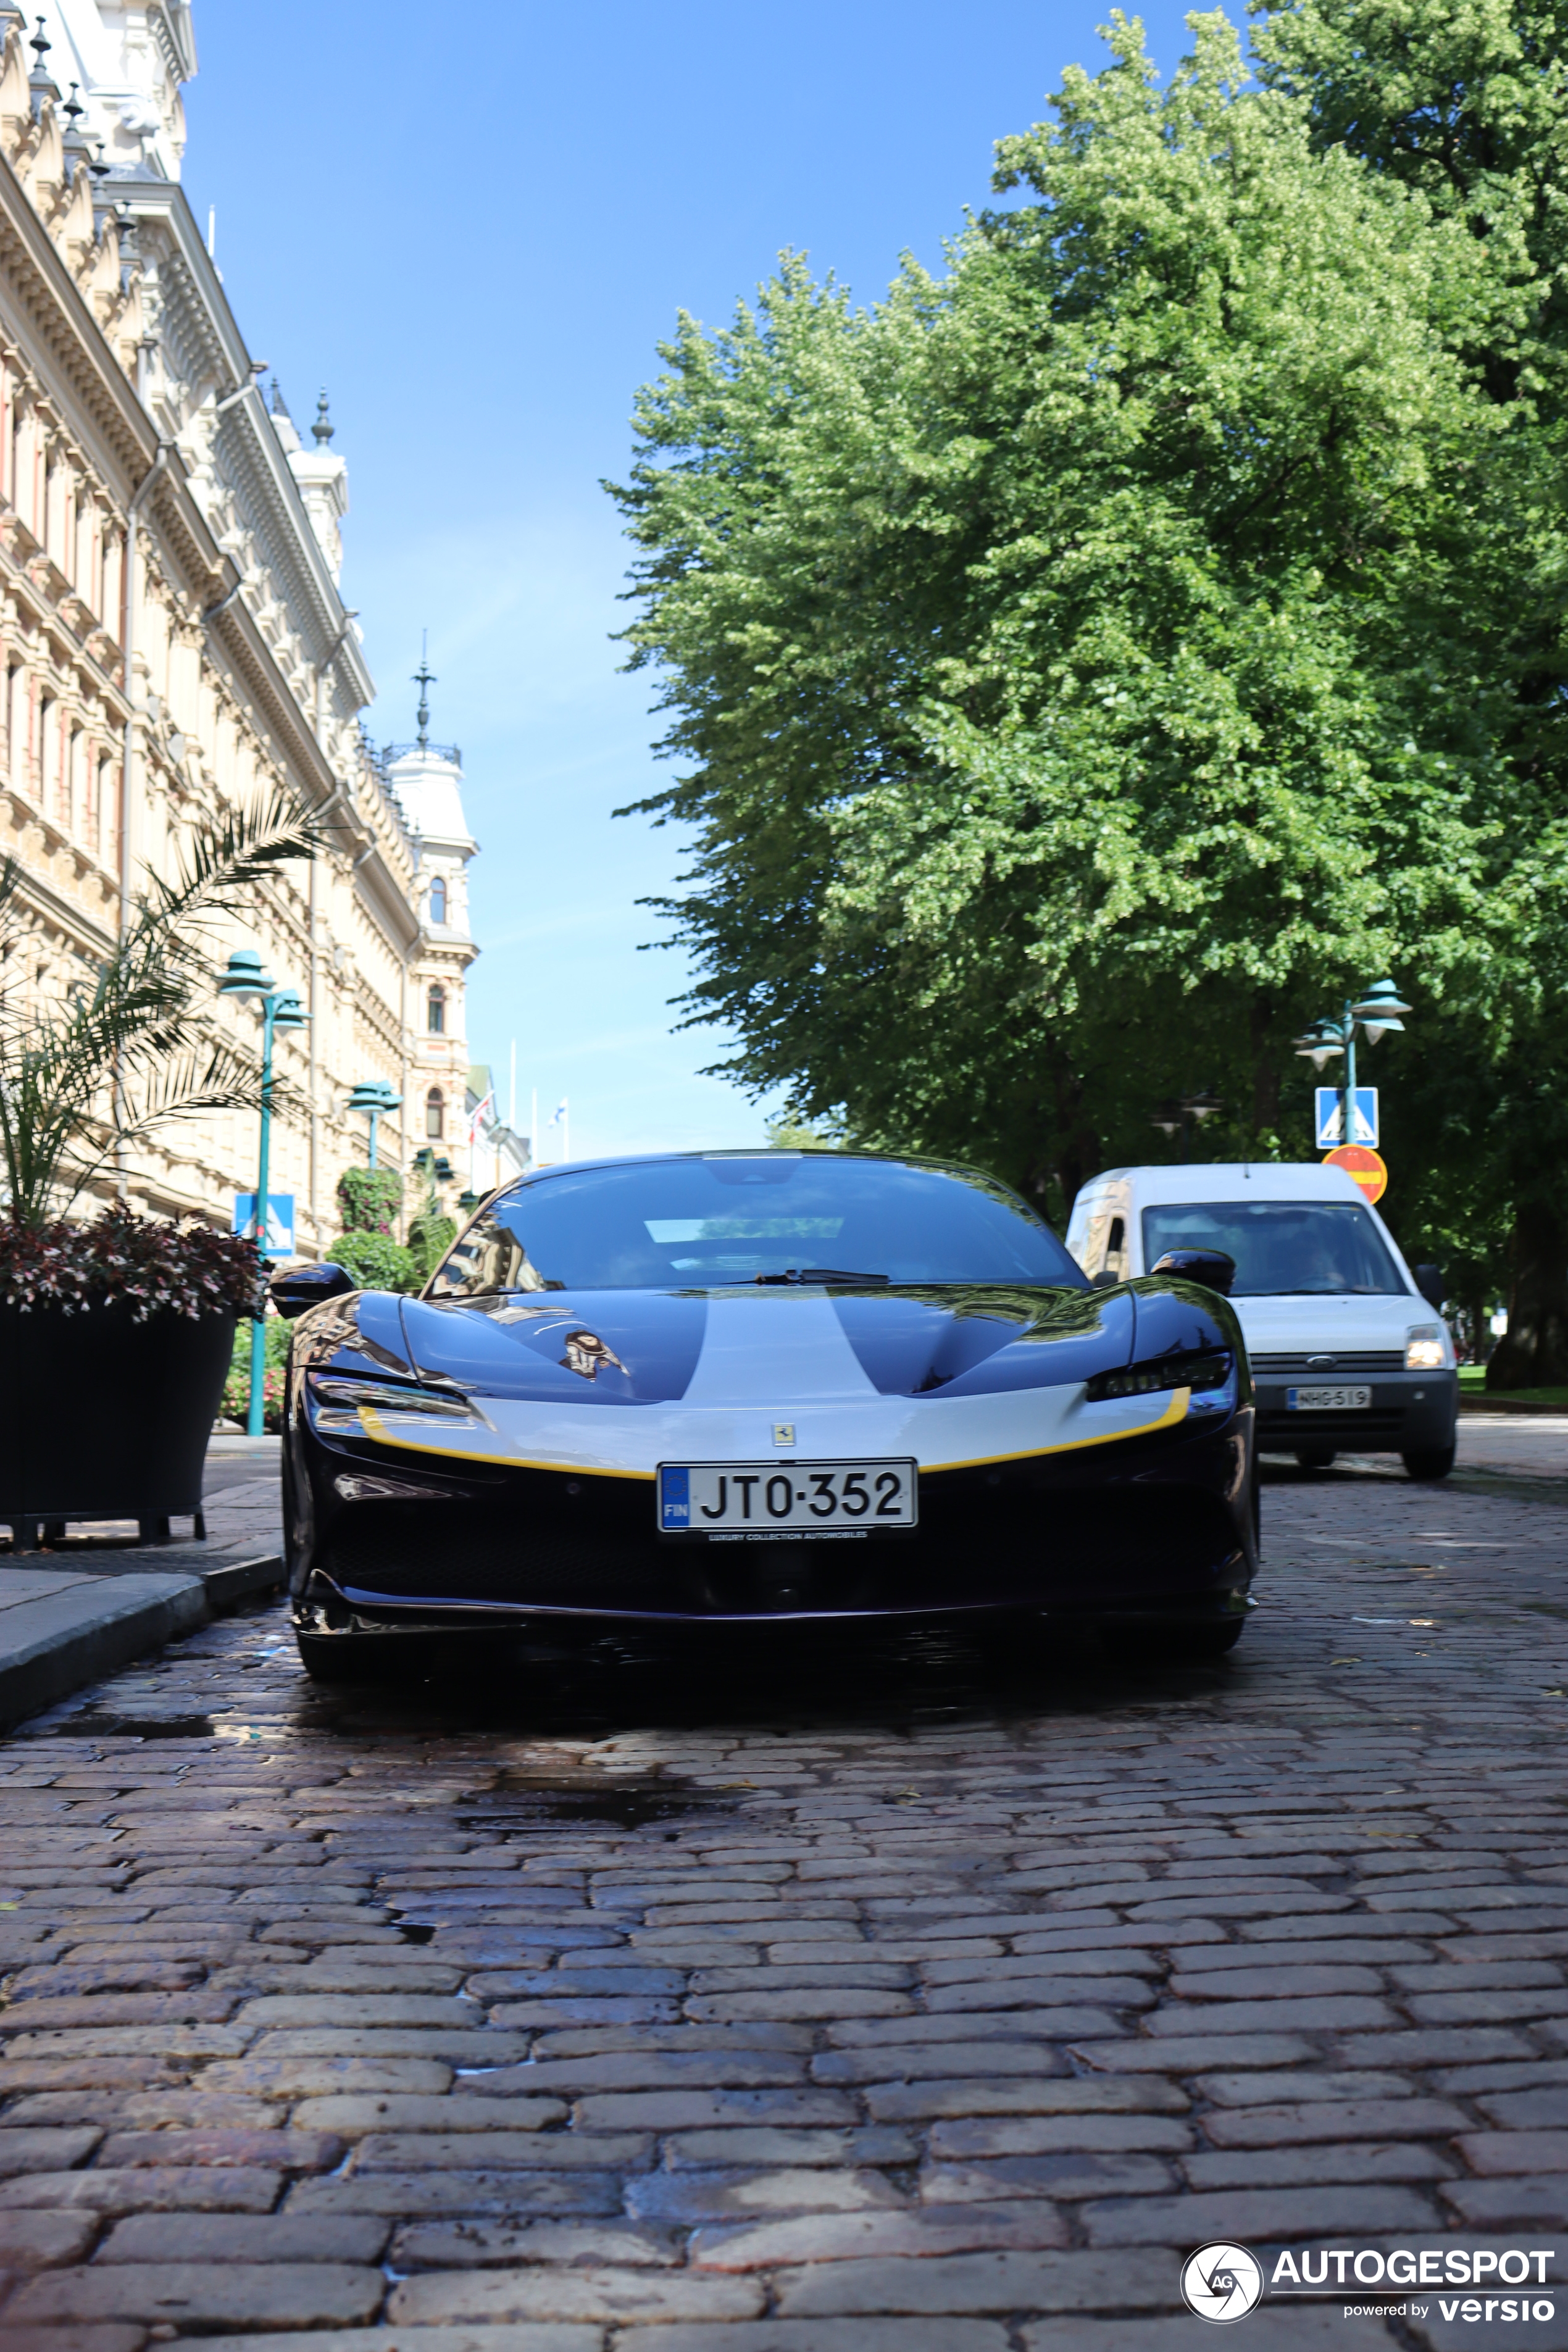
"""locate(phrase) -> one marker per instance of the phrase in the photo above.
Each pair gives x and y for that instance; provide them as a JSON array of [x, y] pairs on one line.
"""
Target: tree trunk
[[1264, 1068], [1078, 1155], [1534, 1351]]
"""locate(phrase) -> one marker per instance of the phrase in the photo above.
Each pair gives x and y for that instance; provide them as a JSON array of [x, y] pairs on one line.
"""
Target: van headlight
[[1211, 1370], [1424, 1350]]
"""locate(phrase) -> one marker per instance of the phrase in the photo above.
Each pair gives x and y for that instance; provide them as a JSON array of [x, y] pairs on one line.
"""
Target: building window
[[435, 1114], [438, 900], [436, 1012]]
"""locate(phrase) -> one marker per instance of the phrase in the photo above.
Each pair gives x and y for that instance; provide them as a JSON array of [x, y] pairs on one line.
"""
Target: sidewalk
[[80, 1609]]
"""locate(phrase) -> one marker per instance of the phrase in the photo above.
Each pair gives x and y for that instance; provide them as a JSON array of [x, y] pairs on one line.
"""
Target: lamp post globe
[[372, 1098], [244, 975]]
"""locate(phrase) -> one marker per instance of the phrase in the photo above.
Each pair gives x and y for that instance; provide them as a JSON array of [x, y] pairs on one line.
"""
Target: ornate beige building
[[173, 630]]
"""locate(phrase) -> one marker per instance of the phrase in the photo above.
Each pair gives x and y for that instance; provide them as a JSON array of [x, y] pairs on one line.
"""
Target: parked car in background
[[1347, 1346]]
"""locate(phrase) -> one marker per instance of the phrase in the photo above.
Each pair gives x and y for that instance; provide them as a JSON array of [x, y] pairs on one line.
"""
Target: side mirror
[[307, 1286], [1429, 1283], [1212, 1268]]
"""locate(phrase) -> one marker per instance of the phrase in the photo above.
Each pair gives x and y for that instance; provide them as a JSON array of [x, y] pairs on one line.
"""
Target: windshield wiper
[[818, 1274]]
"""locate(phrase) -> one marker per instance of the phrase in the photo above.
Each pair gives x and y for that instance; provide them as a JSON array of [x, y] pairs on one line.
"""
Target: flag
[[560, 1113], [477, 1117]]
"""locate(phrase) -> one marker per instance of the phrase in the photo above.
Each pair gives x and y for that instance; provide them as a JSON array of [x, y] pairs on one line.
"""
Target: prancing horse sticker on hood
[[587, 1353]]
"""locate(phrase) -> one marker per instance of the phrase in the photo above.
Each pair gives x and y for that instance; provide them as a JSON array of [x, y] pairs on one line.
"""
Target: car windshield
[[733, 1218], [1279, 1246]]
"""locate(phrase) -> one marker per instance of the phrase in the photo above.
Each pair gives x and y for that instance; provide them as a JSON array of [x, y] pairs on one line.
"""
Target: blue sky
[[474, 243]]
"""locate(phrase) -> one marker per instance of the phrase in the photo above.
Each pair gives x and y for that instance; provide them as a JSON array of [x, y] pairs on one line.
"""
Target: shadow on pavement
[[776, 1679]]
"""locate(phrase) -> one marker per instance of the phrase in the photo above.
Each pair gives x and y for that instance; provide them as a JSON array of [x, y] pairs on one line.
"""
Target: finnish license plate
[[1327, 1400], [760, 1498]]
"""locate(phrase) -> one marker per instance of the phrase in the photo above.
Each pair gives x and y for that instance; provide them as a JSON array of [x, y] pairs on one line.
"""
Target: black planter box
[[105, 1418]]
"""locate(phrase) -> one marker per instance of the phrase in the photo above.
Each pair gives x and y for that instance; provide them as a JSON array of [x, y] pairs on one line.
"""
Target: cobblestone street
[[900, 1996]]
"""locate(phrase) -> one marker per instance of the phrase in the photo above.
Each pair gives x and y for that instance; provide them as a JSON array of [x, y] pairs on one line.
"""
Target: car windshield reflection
[[773, 1218]]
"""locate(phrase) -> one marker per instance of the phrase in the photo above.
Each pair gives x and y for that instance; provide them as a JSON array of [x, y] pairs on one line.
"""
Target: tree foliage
[[1467, 106], [376, 1260], [1086, 664]]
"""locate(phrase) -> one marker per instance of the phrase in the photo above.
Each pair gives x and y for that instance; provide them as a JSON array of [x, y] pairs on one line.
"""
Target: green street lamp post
[[280, 1009], [1378, 1012], [375, 1098]]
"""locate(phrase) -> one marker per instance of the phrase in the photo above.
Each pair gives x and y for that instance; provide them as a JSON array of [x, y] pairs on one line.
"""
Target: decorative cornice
[[56, 319], [196, 292]]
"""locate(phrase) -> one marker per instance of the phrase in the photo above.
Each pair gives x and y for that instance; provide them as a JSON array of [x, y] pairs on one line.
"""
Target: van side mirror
[[1429, 1283], [1214, 1269], [307, 1286]]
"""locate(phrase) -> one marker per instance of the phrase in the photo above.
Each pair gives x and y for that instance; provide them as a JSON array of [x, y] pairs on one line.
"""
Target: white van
[[1346, 1351]]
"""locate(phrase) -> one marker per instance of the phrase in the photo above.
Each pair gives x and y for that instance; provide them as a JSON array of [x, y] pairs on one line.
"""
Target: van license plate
[[1327, 1400]]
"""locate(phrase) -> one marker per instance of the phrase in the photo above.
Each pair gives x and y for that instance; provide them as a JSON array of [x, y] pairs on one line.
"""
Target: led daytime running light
[[386, 1396], [1209, 1370]]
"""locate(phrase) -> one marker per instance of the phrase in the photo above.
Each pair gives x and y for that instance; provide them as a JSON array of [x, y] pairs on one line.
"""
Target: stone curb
[[53, 1645]]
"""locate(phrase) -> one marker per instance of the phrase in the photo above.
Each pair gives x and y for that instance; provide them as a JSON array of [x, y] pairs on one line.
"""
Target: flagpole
[[511, 1091], [533, 1127], [565, 1129]]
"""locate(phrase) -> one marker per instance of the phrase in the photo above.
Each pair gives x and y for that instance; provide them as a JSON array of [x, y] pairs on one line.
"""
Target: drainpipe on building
[[314, 1077], [403, 1077], [130, 597]]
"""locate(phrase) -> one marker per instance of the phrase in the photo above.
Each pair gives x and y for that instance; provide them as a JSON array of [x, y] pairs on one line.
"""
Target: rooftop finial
[[424, 678], [323, 427], [41, 83]]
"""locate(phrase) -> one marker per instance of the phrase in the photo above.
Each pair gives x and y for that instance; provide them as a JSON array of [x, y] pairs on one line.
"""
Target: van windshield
[[1280, 1247]]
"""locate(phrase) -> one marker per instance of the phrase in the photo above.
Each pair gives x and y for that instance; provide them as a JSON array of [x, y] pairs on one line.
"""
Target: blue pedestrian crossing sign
[[279, 1221], [1330, 1117]]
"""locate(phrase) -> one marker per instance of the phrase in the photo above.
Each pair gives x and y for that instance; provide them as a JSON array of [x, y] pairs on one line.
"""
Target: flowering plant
[[152, 1264]]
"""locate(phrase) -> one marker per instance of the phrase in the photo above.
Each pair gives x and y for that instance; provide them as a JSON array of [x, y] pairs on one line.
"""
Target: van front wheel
[[1430, 1462], [1315, 1457]]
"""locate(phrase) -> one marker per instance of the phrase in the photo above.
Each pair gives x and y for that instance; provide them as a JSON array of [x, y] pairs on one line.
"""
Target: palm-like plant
[[137, 1048]]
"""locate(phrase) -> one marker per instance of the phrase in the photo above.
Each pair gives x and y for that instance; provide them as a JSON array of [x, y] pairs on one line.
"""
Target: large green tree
[[1466, 103], [1086, 663]]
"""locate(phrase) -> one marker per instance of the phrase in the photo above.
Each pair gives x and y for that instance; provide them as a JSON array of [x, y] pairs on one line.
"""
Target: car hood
[[616, 1381], [642, 1347]]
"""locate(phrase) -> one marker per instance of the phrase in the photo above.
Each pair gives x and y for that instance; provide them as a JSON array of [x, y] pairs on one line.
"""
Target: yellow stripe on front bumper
[[376, 1429], [1176, 1411]]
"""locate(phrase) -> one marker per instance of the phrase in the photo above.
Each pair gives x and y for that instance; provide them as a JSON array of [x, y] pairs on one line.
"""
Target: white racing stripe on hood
[[756, 1350]]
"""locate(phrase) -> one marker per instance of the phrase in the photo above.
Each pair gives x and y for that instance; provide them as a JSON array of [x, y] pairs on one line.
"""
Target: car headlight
[[1210, 1369], [336, 1400], [1424, 1350]]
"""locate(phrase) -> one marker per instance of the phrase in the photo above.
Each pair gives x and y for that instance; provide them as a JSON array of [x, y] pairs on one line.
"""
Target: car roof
[[754, 1151], [1234, 1180]]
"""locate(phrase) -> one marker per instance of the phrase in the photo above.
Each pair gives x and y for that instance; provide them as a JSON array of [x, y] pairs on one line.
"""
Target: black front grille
[[983, 1540], [1326, 1366], [490, 1554]]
